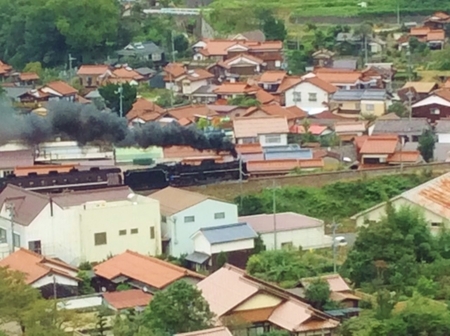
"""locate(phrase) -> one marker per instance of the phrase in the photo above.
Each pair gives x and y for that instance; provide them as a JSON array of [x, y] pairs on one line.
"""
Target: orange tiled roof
[[62, 88], [226, 63], [313, 129], [27, 76], [175, 70], [288, 82], [127, 73], [443, 93], [336, 76], [198, 74], [35, 266], [190, 111], [128, 299], [436, 35], [253, 126], [249, 148], [4, 68], [419, 31], [263, 96], [326, 86], [145, 109], [379, 145], [297, 111], [272, 76], [218, 331], [277, 110], [220, 47], [235, 88], [148, 270], [404, 156], [94, 69]]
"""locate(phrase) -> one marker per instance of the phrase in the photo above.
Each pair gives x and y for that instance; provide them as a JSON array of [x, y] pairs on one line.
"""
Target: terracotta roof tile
[[220, 47], [145, 109], [326, 86], [264, 97], [219, 331], [251, 58], [272, 76], [28, 76], [436, 35], [278, 111], [127, 74], [297, 111], [4, 68], [404, 156], [235, 88], [252, 127], [419, 31], [327, 115], [313, 129], [36, 266], [379, 145], [62, 88], [349, 126], [128, 299], [338, 77], [443, 93], [175, 69], [288, 82], [198, 74], [249, 148], [255, 315], [95, 69], [148, 270], [190, 111]]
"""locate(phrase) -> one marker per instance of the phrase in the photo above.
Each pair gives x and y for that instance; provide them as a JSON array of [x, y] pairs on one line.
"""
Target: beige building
[[430, 198], [362, 102]]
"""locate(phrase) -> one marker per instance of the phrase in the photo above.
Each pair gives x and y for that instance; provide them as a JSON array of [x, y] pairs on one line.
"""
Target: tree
[[318, 293], [426, 145], [110, 93], [35, 67], [101, 324], [274, 29], [298, 60], [178, 309], [243, 101], [85, 285], [123, 287], [168, 99], [259, 245], [222, 259], [399, 109], [130, 323], [181, 44]]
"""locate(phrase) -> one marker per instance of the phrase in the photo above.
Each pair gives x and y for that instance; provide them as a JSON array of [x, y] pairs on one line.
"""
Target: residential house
[[50, 276], [408, 129], [360, 102], [270, 81], [60, 90], [434, 38], [95, 223], [346, 64], [442, 130], [253, 35], [423, 89], [293, 114], [143, 111], [343, 78], [437, 20], [11, 159], [146, 72], [235, 241], [288, 152], [289, 230], [26, 78], [190, 113], [187, 154], [267, 131], [127, 299], [348, 130], [382, 73], [217, 331], [429, 198], [316, 130], [250, 152], [204, 94], [13, 93], [260, 307], [323, 58], [124, 74], [184, 81], [185, 212], [5, 70], [434, 107], [239, 66], [227, 91], [144, 51], [283, 166], [141, 272], [92, 76]]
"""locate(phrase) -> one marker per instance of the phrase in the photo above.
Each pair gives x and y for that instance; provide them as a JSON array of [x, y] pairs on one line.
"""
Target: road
[[349, 237]]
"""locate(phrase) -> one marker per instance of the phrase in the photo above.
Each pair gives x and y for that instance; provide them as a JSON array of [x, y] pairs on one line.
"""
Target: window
[[189, 219], [370, 107], [122, 232], [100, 238], [35, 246], [134, 231], [297, 97], [436, 224], [312, 97], [3, 237], [219, 215], [286, 245], [435, 111], [272, 139], [8, 172], [249, 140], [156, 57], [164, 219], [16, 241], [152, 232]]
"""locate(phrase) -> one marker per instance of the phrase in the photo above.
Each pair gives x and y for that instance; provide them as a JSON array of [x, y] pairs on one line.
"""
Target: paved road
[[349, 237]]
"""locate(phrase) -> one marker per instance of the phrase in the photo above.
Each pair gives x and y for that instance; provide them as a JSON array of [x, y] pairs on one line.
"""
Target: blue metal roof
[[228, 233], [287, 152]]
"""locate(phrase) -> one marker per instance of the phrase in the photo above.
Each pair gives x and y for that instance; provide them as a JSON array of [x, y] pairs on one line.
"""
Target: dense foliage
[[111, 95], [426, 145], [338, 200]]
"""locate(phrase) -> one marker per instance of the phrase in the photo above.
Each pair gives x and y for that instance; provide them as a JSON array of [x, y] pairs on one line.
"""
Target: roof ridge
[[29, 192], [222, 226]]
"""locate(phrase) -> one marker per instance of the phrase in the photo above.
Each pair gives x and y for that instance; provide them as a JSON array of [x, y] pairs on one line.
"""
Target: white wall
[[194, 86], [443, 137], [233, 246], [263, 143], [181, 232], [304, 89], [48, 279], [306, 238], [201, 244]]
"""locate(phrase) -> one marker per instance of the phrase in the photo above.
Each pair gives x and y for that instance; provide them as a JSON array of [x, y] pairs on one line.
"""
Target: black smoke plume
[[84, 123]]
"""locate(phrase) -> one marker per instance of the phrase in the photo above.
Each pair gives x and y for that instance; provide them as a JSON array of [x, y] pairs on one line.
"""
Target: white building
[[184, 213], [267, 131], [289, 230], [442, 130], [80, 226]]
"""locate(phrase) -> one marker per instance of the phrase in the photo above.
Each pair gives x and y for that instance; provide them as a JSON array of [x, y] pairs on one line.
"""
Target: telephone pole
[[10, 207], [274, 205], [120, 93], [334, 226]]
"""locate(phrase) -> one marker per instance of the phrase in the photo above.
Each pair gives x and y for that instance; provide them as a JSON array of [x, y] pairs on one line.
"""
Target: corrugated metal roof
[[360, 94], [289, 153], [401, 126], [197, 257], [228, 233], [286, 221]]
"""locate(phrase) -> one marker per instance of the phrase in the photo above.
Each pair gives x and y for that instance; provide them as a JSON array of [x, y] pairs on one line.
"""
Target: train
[[153, 178]]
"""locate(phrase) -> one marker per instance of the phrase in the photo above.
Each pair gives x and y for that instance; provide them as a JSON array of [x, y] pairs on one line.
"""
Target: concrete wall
[[305, 238], [379, 107]]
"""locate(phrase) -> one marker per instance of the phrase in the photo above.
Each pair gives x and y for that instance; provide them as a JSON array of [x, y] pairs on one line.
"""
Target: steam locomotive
[[158, 177]]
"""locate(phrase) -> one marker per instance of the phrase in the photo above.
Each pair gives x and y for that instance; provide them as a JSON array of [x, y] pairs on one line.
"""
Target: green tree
[[168, 99], [243, 101], [180, 308], [110, 93], [35, 67], [426, 287], [273, 28], [259, 245], [130, 323], [399, 109], [222, 259], [426, 145], [298, 60], [101, 323], [181, 45], [85, 286], [318, 293], [123, 287]]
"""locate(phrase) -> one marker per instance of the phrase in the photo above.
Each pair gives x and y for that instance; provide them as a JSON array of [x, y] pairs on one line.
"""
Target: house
[[282, 167], [437, 20], [127, 299], [140, 271], [217, 331], [190, 155], [143, 111], [48, 275], [124, 74], [11, 159], [408, 129], [204, 94], [184, 213], [239, 66], [442, 131], [347, 130], [190, 113], [235, 241], [250, 152], [361, 102], [375, 150], [428, 197], [310, 94], [423, 89], [434, 38], [347, 64], [144, 51], [26, 78], [253, 35], [92, 76], [316, 130], [434, 107], [323, 58], [184, 81], [60, 90], [271, 80], [344, 78], [95, 223], [293, 114], [289, 230], [5, 70], [267, 131], [260, 307]]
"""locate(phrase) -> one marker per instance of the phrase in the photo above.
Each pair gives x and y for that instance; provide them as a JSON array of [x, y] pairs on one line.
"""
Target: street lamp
[[120, 93]]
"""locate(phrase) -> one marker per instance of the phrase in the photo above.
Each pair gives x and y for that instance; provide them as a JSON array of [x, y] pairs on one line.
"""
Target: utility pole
[[240, 177], [70, 65], [366, 57], [54, 288], [12, 214], [398, 12], [408, 54], [120, 93], [170, 73], [334, 226], [274, 216], [409, 94]]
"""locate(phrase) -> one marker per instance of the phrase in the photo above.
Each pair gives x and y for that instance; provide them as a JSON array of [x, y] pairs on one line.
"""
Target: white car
[[340, 241]]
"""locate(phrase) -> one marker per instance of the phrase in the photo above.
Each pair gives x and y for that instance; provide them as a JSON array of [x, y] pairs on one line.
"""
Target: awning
[[197, 257]]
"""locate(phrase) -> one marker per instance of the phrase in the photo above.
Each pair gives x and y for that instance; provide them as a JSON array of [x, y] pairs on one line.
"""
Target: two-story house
[[344, 78], [242, 65], [184, 213], [143, 50], [361, 102], [80, 226], [434, 107], [267, 131], [185, 81], [60, 90], [91, 76]]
